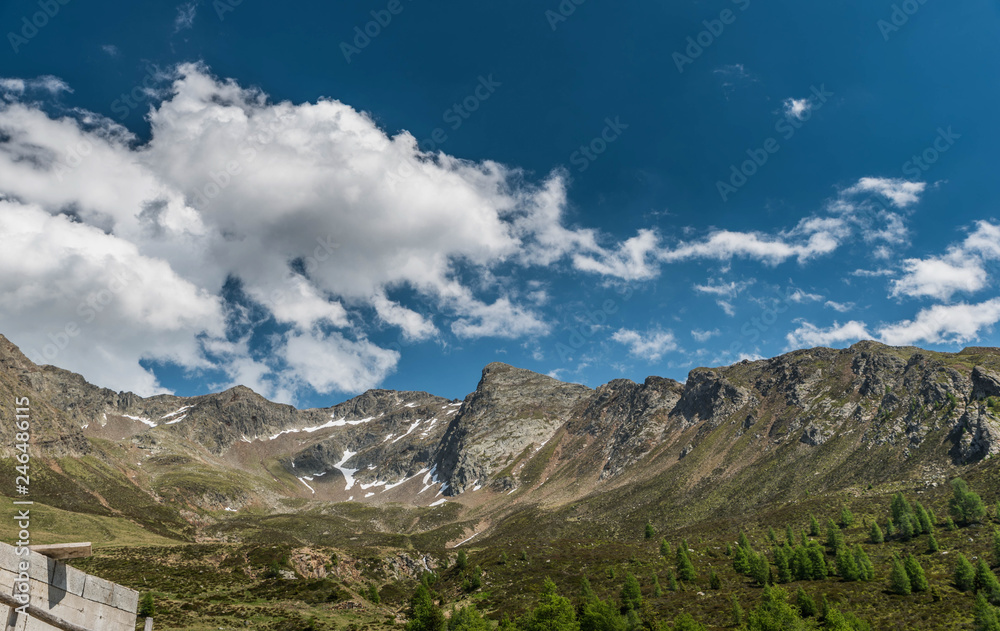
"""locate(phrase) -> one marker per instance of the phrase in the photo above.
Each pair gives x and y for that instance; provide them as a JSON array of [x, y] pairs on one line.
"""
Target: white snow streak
[[348, 473], [140, 419], [183, 409]]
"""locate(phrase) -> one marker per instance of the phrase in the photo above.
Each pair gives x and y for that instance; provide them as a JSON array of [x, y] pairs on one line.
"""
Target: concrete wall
[[68, 593]]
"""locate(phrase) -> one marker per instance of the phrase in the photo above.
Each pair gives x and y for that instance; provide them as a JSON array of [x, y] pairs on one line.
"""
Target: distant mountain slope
[[814, 420]]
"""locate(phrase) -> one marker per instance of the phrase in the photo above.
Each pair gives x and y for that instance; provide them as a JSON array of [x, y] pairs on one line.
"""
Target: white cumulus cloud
[[649, 345]]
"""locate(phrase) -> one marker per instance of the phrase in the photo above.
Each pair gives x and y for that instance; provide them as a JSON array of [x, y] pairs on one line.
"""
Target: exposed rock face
[[985, 383], [629, 419], [511, 410], [710, 398], [52, 431], [392, 434]]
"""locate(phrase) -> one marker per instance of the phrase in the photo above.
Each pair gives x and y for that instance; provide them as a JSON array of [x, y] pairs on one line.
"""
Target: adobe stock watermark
[[922, 162], [786, 126], [72, 157], [875, 205], [22, 488], [364, 34], [453, 118], [755, 327], [222, 7], [562, 12], [899, 17], [700, 42], [227, 173], [591, 320], [88, 310], [139, 94], [588, 153], [30, 27], [320, 254]]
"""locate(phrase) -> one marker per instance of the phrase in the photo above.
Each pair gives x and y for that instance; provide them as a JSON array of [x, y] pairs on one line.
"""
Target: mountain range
[[754, 434]]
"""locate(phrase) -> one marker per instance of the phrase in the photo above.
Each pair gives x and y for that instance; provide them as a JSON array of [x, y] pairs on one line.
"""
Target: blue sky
[[194, 195]]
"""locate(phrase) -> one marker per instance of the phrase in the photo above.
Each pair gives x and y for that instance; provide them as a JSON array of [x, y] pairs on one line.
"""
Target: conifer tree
[[818, 560], [966, 507], [813, 526], [657, 590], [783, 561], [985, 616], [373, 594], [738, 616], [846, 517], [744, 541], [650, 531], [949, 524], [714, 581], [503, 558], [805, 603], [998, 510], [986, 581], [773, 538], [834, 538], [424, 615], [790, 535], [918, 580], [664, 548], [686, 622], [900, 507], [965, 574], [685, 568], [835, 619], [923, 519], [462, 561], [906, 529], [866, 568], [899, 580], [847, 567], [631, 593], [802, 564], [147, 607], [671, 581], [468, 618], [890, 528], [932, 543], [996, 546], [741, 564], [774, 612], [586, 591], [759, 567], [876, 533], [552, 613]]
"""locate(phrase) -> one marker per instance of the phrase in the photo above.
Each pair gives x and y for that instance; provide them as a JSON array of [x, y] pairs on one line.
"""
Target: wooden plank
[[41, 614], [64, 550]]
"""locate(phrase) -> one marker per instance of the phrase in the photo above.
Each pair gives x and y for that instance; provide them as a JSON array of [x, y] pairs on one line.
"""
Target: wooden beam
[[41, 614], [64, 550]]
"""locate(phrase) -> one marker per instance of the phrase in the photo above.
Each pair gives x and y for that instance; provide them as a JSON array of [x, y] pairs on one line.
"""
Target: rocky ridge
[[524, 435]]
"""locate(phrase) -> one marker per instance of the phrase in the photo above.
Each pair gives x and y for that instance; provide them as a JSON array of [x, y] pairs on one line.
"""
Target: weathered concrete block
[[98, 590], [125, 599]]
